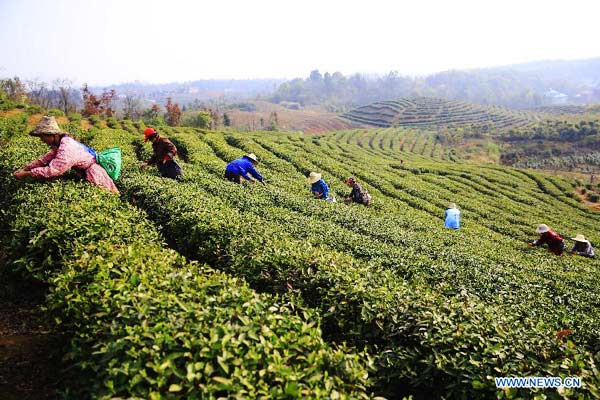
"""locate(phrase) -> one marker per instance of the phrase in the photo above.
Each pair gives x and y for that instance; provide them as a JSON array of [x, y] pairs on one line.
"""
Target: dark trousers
[[171, 169], [233, 177], [558, 248]]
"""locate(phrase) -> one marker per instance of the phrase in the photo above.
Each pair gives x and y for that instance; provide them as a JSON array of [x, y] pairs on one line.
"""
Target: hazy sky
[[113, 41]]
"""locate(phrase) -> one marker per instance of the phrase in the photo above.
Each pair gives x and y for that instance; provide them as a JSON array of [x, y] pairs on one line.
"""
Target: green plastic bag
[[110, 160]]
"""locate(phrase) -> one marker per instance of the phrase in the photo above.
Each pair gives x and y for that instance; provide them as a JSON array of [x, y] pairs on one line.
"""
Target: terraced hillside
[[568, 110], [439, 312], [428, 112]]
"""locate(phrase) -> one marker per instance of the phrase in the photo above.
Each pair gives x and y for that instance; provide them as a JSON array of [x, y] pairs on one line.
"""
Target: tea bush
[[144, 322], [440, 312], [249, 233]]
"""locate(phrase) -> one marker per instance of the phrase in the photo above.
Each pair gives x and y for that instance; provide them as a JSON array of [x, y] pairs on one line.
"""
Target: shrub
[[55, 112], [593, 197], [5, 102], [113, 123], [95, 121], [199, 119], [146, 323], [139, 125], [35, 109], [74, 117], [13, 125]]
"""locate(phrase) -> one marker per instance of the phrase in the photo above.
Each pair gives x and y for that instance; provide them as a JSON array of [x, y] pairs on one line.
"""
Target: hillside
[[440, 313], [515, 86], [584, 72], [433, 112], [306, 119]]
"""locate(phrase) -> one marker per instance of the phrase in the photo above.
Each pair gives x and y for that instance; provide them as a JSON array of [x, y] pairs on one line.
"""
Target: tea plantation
[[207, 289], [429, 111]]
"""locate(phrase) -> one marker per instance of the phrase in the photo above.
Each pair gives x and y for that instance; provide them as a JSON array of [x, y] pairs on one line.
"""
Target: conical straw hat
[[313, 177], [47, 126], [579, 238]]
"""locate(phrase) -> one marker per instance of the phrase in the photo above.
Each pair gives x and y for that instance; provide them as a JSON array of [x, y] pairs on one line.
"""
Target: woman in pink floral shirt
[[66, 153]]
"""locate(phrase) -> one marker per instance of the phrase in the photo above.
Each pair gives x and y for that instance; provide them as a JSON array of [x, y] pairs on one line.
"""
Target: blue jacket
[[243, 166], [452, 218], [320, 187]]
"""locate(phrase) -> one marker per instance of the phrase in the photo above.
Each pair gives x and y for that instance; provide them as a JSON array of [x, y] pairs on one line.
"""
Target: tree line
[[61, 98], [489, 87]]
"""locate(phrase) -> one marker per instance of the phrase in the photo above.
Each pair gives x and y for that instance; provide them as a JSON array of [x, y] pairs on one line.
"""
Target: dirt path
[[29, 355], [584, 200]]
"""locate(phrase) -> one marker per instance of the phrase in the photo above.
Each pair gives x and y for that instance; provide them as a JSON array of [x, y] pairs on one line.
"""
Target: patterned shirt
[[71, 154]]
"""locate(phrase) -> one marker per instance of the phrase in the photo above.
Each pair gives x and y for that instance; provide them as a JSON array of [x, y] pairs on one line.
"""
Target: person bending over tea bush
[[66, 153], [358, 194], [556, 244], [582, 247], [318, 187], [240, 168], [164, 154], [452, 217]]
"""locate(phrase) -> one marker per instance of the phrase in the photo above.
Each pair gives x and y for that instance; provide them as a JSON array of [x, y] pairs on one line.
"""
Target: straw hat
[[47, 126], [452, 205], [252, 156], [542, 228], [313, 177], [579, 238]]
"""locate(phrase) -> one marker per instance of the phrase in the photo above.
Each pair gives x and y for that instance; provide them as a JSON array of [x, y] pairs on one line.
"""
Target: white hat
[[542, 228], [579, 238], [252, 156], [452, 205], [313, 177]]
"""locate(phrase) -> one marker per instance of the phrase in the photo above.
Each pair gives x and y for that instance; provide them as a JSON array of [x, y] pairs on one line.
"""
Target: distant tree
[[226, 120], [200, 119], [132, 107], [153, 116], [91, 104], [328, 83], [94, 105], [14, 89], [66, 97], [38, 93], [106, 102], [173, 113], [155, 109], [315, 76], [273, 122], [216, 118]]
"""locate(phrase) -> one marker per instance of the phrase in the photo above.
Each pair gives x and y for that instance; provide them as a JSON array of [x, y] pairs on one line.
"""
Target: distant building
[[555, 97]]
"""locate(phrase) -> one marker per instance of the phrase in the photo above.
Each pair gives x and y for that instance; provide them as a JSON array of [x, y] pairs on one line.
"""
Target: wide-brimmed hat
[[452, 205], [313, 177], [252, 156], [579, 238], [542, 228], [46, 126]]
